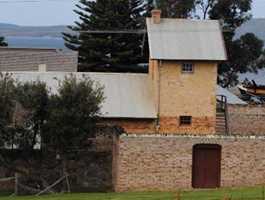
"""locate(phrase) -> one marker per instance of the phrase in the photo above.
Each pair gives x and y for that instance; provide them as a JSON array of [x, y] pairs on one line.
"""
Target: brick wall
[[185, 94], [13, 59], [164, 163], [167, 125], [246, 119]]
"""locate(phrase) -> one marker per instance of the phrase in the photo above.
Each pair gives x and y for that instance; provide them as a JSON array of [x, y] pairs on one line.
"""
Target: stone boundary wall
[[246, 119], [164, 163]]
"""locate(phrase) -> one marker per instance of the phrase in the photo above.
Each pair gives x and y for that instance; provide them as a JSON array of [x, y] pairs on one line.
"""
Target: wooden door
[[206, 166]]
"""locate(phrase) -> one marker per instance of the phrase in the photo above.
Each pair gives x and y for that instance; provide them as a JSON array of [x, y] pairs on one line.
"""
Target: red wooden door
[[206, 166]]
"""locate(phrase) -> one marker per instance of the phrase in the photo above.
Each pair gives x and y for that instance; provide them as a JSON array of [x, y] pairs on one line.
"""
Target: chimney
[[42, 68], [156, 16]]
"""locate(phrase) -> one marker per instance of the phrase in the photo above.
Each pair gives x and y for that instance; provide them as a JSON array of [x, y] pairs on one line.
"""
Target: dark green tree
[[107, 51], [245, 54], [2, 42], [24, 108], [73, 114], [38, 126], [7, 105], [32, 100]]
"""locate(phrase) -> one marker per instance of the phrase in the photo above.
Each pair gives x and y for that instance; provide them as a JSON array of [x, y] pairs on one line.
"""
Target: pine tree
[[107, 51], [2, 42]]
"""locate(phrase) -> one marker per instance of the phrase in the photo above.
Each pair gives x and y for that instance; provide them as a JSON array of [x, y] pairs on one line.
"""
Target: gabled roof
[[28, 59], [127, 95], [186, 39]]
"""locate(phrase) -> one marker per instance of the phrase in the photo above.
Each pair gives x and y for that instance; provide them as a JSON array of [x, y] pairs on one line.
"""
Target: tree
[[2, 42], [32, 101], [107, 51], [7, 104], [25, 108], [73, 114], [244, 53], [36, 126]]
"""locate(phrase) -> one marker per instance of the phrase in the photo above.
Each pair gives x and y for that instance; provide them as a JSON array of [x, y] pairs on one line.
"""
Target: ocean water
[[36, 42]]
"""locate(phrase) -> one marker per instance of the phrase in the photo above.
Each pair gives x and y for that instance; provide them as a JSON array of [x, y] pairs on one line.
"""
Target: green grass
[[218, 194]]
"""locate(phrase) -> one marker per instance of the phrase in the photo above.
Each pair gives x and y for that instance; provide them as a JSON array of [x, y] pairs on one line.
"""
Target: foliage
[[33, 119], [107, 51], [73, 113], [7, 104], [245, 54], [2, 42], [32, 99]]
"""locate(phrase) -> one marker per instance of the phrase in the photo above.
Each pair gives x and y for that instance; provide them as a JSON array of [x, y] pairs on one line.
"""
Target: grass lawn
[[219, 194]]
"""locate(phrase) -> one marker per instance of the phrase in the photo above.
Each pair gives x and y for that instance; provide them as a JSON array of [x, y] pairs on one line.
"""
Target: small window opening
[[185, 120], [187, 68]]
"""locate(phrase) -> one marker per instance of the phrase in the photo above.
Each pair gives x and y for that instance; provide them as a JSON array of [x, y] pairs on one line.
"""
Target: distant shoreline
[[36, 42]]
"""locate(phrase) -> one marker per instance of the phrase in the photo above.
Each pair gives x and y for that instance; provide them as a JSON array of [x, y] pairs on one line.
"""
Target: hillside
[[256, 26], [31, 31]]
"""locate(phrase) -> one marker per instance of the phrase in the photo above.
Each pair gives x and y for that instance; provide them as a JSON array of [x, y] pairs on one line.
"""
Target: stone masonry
[[246, 119], [164, 163]]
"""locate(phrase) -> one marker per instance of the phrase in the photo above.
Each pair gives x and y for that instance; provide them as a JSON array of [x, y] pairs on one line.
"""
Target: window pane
[[187, 67], [185, 120]]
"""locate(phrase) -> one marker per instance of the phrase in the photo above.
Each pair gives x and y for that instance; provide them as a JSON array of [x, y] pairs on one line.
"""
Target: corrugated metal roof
[[29, 59], [127, 95], [231, 98], [185, 39]]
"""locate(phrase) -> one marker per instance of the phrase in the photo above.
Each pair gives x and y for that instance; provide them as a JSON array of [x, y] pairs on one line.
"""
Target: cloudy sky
[[59, 12]]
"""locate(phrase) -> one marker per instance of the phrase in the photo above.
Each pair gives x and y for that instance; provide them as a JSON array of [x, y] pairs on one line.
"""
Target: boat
[[251, 89]]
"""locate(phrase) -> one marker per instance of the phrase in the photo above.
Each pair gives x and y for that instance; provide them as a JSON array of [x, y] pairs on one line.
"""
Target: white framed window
[[187, 68]]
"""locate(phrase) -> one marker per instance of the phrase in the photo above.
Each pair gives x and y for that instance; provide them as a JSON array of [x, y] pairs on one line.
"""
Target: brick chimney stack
[[156, 16]]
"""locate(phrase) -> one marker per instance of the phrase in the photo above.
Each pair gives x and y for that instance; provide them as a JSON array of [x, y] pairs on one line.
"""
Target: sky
[[60, 12]]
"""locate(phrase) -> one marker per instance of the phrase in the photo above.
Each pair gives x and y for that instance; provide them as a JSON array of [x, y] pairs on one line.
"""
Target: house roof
[[28, 59], [185, 39], [127, 95], [231, 98]]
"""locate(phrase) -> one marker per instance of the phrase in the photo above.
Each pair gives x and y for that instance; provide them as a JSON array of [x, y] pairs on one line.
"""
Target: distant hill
[[4, 25], [31, 31], [50, 36], [256, 26]]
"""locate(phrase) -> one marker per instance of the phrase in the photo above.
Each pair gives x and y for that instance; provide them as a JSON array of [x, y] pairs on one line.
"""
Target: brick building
[[169, 116]]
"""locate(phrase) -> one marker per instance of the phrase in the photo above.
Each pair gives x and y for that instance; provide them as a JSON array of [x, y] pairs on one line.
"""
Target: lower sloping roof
[[127, 95], [231, 98]]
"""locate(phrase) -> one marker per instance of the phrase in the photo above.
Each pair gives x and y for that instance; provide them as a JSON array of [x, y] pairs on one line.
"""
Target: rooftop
[[186, 39], [127, 95]]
